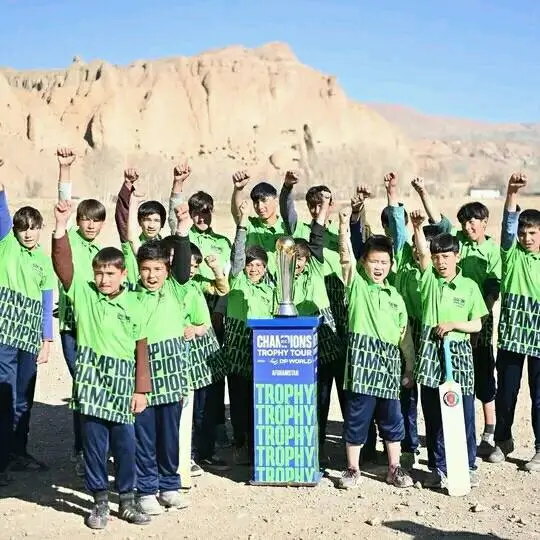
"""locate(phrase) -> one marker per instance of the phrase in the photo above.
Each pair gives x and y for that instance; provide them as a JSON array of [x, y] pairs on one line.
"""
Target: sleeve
[[287, 209], [509, 229], [398, 229], [238, 252], [47, 319], [121, 214], [357, 238], [316, 241], [132, 266], [181, 263], [62, 260], [216, 287], [143, 382], [444, 226], [174, 200], [64, 191], [492, 284], [5, 218], [478, 307]]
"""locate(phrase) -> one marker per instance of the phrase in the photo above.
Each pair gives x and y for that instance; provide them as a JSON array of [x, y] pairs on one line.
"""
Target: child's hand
[[65, 156], [516, 182], [181, 173], [189, 333], [345, 214], [131, 176], [291, 178], [408, 379], [183, 219], [357, 201], [419, 185], [62, 212], [417, 218], [212, 261], [44, 353], [443, 328], [390, 182], [138, 403], [243, 211], [240, 180]]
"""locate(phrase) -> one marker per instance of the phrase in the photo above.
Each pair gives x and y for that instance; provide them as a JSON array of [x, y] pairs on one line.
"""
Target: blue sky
[[476, 58]]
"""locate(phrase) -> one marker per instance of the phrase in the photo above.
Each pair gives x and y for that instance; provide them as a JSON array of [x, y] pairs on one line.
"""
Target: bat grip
[[448, 361]]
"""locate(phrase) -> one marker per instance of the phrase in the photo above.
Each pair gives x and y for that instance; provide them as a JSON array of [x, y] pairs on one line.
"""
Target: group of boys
[[163, 321]]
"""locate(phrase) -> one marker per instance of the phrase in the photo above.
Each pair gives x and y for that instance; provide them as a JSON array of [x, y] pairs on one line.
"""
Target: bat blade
[[455, 439]]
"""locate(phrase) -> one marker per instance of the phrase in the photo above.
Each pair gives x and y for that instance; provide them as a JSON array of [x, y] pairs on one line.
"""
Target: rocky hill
[[259, 109]]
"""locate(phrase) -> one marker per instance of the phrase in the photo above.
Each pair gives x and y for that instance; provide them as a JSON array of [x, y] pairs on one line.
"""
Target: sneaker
[[26, 462], [399, 478], [435, 480], [149, 505], [486, 447], [474, 478], [241, 456], [172, 499], [215, 464], [195, 470], [534, 464], [502, 449], [407, 460], [350, 479], [129, 511], [222, 439], [98, 517], [80, 465]]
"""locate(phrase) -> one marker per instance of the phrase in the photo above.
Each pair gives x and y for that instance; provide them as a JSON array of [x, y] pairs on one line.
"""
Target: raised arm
[[422, 247], [238, 252], [240, 181], [286, 202], [61, 255], [121, 214], [357, 223], [132, 223], [316, 235], [433, 213], [511, 211], [347, 266], [181, 263], [5, 218], [65, 157], [219, 286], [180, 174]]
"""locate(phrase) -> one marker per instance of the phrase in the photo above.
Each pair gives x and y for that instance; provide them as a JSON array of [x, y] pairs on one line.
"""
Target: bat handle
[[448, 361]]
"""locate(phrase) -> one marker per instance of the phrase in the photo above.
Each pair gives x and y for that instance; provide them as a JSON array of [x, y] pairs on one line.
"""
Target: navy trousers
[[157, 431], [206, 409], [241, 397], [69, 348], [325, 377], [98, 436]]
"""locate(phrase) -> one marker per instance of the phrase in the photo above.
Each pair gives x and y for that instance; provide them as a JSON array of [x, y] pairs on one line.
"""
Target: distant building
[[484, 193]]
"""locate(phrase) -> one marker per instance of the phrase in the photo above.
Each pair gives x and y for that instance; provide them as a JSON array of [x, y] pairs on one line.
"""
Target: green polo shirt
[[266, 236], [459, 300], [211, 243], [132, 266], [24, 275]]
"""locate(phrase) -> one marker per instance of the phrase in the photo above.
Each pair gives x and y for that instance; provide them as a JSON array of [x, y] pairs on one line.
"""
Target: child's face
[[529, 238], [151, 225], [315, 209], [255, 270], [202, 219], [30, 237], [474, 229], [265, 208], [194, 268], [377, 265], [301, 262], [109, 278], [153, 274], [445, 264], [89, 228]]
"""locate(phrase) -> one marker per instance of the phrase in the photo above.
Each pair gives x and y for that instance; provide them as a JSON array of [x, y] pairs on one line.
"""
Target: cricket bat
[[186, 424], [453, 423]]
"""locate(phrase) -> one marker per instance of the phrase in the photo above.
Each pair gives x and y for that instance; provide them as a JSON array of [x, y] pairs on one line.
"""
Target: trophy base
[[286, 310]]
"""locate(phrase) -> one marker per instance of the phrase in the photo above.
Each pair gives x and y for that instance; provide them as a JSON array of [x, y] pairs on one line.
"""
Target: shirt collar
[[451, 284], [257, 221], [119, 300]]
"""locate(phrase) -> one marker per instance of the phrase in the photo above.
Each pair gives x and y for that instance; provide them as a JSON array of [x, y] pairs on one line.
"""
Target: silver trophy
[[286, 262]]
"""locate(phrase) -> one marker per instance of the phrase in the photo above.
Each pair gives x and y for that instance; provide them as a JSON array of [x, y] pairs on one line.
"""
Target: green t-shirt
[[377, 320], [519, 324], [211, 243], [266, 236], [132, 266], [24, 275], [83, 252], [165, 314], [459, 300], [107, 332]]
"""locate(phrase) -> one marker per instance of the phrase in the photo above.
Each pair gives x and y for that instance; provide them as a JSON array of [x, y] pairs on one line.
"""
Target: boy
[[26, 330], [378, 330], [151, 217], [112, 375], [519, 327], [452, 308], [90, 220], [480, 260], [251, 296]]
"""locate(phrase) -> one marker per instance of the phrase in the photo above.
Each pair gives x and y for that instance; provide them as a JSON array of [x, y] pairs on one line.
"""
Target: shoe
[[350, 479], [534, 464], [222, 439], [407, 460], [130, 511], [99, 516], [195, 470], [486, 447], [5, 479], [149, 505], [214, 464], [502, 449], [241, 456], [172, 499], [80, 466], [474, 478], [26, 462], [399, 478], [435, 480]]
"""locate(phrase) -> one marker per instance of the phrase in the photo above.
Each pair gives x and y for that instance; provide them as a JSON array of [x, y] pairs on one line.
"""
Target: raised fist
[[362, 193], [240, 179], [62, 211], [181, 172], [131, 175], [517, 181], [65, 156], [419, 185], [211, 261], [183, 219], [291, 178], [345, 214], [390, 181], [417, 218]]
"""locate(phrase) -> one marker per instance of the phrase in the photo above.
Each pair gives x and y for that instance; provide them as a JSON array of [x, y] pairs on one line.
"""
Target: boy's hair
[[27, 218], [195, 253], [258, 253], [152, 207], [529, 218], [430, 232], [378, 242], [443, 243], [91, 209], [153, 250], [263, 190], [472, 210], [385, 216], [301, 248], [314, 195], [109, 256], [201, 202]]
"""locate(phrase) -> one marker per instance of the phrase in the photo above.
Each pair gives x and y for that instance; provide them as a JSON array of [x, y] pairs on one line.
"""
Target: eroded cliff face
[[258, 109]]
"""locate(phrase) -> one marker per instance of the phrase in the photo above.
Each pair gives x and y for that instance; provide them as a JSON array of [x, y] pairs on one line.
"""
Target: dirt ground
[[51, 505]]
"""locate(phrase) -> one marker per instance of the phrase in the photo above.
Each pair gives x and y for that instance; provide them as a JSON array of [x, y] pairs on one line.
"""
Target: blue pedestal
[[286, 434]]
